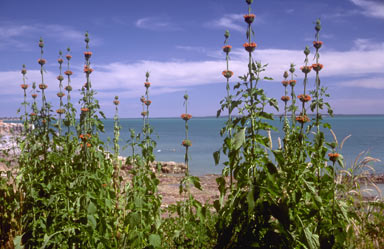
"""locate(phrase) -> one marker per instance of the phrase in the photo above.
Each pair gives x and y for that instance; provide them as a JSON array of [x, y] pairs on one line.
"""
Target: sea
[[367, 139]]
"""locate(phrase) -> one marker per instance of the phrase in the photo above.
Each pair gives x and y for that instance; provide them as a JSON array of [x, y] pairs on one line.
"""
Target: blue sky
[[180, 42]]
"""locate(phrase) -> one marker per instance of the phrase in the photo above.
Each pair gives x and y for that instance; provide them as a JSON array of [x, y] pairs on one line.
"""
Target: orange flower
[[250, 47], [142, 99], [87, 54], [304, 97], [32, 114], [88, 145], [285, 82], [317, 67], [227, 74], [186, 143], [302, 119], [285, 98], [306, 69], [317, 44], [249, 18], [60, 94], [148, 102], [292, 82], [147, 84], [227, 48], [60, 61], [333, 156], [68, 72], [143, 114], [68, 56], [34, 95], [116, 102], [87, 69], [85, 136], [24, 71], [186, 116], [43, 86], [68, 88], [41, 61], [24, 86], [60, 111], [60, 77], [84, 109]]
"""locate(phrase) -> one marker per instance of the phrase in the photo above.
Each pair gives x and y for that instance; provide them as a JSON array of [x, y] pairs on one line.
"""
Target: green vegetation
[[69, 192]]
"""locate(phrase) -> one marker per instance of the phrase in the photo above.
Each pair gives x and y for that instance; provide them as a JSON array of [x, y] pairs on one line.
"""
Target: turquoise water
[[367, 135]]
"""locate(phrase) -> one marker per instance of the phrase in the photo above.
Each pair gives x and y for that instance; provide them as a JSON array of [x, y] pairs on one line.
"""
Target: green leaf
[[239, 139], [155, 240], [92, 221], [216, 157], [91, 208], [17, 242], [196, 182]]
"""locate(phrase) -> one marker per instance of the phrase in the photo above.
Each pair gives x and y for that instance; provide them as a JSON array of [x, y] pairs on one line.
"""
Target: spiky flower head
[[227, 48], [227, 74], [186, 116], [333, 156], [318, 25], [41, 43], [116, 101], [23, 70], [186, 143], [186, 96], [226, 34], [317, 44], [292, 69], [249, 18], [86, 37], [285, 75], [302, 119], [307, 51]]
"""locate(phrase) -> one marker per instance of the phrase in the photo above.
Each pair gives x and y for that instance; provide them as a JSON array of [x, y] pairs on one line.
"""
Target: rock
[[10, 128]]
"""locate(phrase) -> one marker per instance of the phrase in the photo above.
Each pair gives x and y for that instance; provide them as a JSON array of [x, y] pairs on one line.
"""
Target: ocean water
[[367, 134]]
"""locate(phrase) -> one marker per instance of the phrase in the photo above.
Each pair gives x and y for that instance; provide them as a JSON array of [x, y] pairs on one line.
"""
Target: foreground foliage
[[69, 192]]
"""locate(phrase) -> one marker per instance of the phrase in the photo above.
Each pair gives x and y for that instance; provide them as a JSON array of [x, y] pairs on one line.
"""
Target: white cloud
[[171, 76], [230, 22], [289, 11], [19, 35], [371, 8], [192, 49], [374, 83], [367, 44], [157, 24]]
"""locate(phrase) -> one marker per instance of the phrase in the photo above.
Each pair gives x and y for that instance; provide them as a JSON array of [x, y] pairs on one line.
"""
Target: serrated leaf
[[239, 139], [155, 240]]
